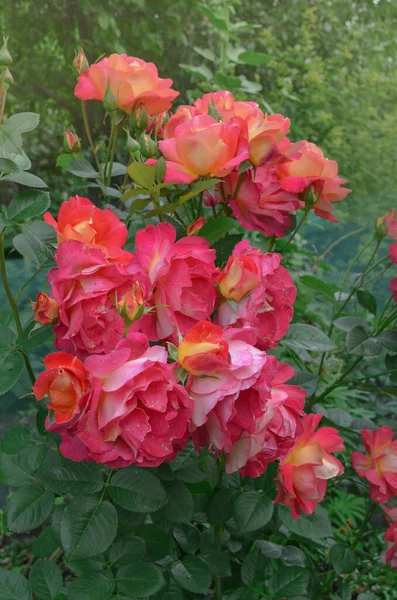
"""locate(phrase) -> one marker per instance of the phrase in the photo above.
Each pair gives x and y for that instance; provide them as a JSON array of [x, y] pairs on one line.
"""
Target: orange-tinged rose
[[45, 309], [239, 277], [130, 81], [194, 227], [129, 305], [203, 349], [64, 382]]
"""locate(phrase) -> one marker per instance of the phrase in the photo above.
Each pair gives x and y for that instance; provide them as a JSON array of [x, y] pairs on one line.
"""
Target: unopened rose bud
[[110, 101], [71, 142], [148, 146], [8, 79], [5, 56], [45, 309], [133, 147], [195, 226], [80, 62], [131, 306], [139, 118]]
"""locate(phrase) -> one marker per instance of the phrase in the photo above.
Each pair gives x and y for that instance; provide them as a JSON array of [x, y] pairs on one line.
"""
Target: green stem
[[377, 275], [13, 306], [371, 376], [116, 132], [336, 384], [218, 579], [89, 136], [355, 259], [297, 228], [370, 511], [238, 186], [27, 283]]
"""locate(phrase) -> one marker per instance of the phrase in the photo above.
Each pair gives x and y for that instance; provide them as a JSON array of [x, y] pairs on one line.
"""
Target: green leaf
[[192, 574], [28, 508], [319, 286], [252, 511], [184, 458], [88, 527], [205, 53], [85, 566], [27, 179], [158, 543], [137, 490], [314, 526], [11, 368], [216, 229], [45, 544], [388, 339], [45, 579], [187, 537], [138, 204], [308, 381], [293, 556], [269, 549], [34, 336], [347, 323], [91, 586], [7, 338], [125, 550], [220, 508], [36, 242], [118, 169], [359, 343], [227, 81], [254, 59], [307, 337], [179, 507], [64, 160], [10, 139], [64, 476], [367, 301], [164, 209], [8, 166], [342, 559], [218, 562], [23, 122], [225, 247], [13, 586], [253, 567], [28, 205], [391, 365], [15, 440], [289, 581], [197, 188], [142, 174], [139, 579], [17, 470], [200, 71], [82, 169]]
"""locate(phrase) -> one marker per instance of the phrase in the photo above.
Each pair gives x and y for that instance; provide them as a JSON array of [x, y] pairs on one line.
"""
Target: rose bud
[[148, 146], [64, 382], [239, 277], [45, 309], [133, 146], [80, 62], [195, 226], [203, 350], [131, 305], [71, 142], [8, 79], [5, 56]]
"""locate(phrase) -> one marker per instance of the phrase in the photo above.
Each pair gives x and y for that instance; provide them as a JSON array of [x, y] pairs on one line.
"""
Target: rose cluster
[[160, 346]]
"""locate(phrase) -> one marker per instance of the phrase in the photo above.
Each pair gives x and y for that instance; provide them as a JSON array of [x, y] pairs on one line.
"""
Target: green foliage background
[[330, 66]]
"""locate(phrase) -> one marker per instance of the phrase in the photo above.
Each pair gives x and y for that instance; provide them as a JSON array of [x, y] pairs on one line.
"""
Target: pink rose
[[389, 555], [308, 167], [132, 81], [390, 220], [85, 285], [45, 309], [182, 274], [136, 410], [260, 424], [256, 292], [260, 203], [202, 146]]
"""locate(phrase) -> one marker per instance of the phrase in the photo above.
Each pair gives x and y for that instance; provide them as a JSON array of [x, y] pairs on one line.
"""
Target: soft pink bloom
[[305, 470], [202, 146], [194, 227], [393, 252], [79, 219], [256, 291], [226, 378], [136, 410], [183, 276], [390, 220], [130, 80], [71, 141], [260, 424], [309, 168], [389, 555], [85, 286], [260, 203], [183, 113], [393, 288], [379, 465], [45, 309], [65, 383]]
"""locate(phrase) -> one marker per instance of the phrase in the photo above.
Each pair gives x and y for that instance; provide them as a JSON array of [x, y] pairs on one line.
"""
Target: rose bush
[[185, 399]]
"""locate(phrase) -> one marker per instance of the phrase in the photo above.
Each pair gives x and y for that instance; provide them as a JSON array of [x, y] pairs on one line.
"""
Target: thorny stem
[[13, 306]]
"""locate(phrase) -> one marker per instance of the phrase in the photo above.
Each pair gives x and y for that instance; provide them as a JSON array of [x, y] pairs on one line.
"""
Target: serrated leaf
[[64, 476], [214, 230], [187, 537], [34, 336], [388, 339], [88, 527], [64, 160], [227, 81], [27, 179], [139, 579], [11, 368], [254, 59], [15, 440], [46, 579], [307, 337], [292, 556], [142, 174], [124, 550], [360, 344], [10, 139], [218, 562], [28, 508], [220, 508], [45, 544], [308, 381], [200, 71], [13, 586], [36, 242], [197, 188], [28, 205], [253, 567], [314, 526], [91, 586], [137, 490], [19, 469], [82, 169], [8, 166], [158, 543], [252, 511], [342, 559], [184, 458], [192, 574], [367, 301], [24, 122], [180, 504], [289, 581], [318, 285], [347, 323], [205, 53], [269, 549]]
